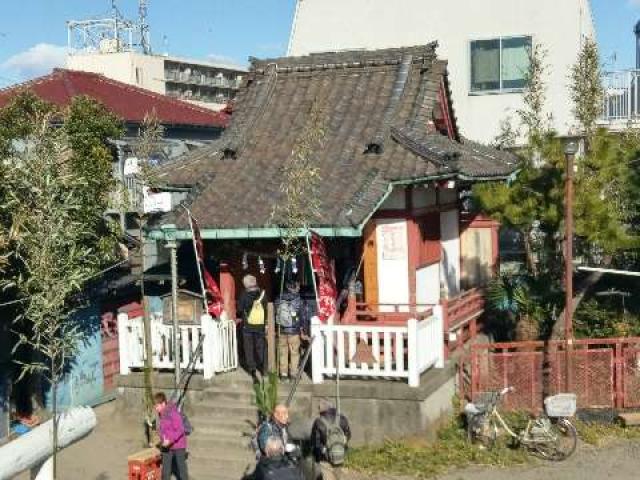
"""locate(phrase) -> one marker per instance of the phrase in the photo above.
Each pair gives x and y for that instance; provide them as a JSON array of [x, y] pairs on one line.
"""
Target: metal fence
[[621, 96], [603, 373]]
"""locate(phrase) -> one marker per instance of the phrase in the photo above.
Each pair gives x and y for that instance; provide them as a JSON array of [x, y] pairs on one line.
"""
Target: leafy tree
[[56, 185], [605, 184], [300, 206], [586, 87], [147, 144]]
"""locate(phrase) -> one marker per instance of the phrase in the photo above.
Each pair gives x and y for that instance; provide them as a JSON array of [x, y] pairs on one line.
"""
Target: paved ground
[[103, 456]]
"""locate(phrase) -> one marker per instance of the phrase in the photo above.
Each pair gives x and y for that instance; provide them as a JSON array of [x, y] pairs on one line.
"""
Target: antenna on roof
[[144, 26], [111, 34]]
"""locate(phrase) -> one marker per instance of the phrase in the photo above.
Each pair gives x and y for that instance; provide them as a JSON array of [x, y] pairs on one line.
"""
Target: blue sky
[[33, 32]]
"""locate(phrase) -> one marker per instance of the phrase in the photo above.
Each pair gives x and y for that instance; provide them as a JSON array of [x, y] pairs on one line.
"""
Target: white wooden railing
[[378, 351], [219, 349]]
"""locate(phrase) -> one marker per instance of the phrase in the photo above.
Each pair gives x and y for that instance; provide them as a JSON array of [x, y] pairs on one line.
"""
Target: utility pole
[[570, 152], [172, 245]]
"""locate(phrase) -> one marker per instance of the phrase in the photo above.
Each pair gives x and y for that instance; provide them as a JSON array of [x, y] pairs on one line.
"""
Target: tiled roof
[[381, 108], [128, 102]]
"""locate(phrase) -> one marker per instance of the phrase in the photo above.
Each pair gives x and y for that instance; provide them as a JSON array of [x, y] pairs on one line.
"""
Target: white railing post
[[438, 317], [629, 99], [412, 345], [317, 350], [208, 346], [123, 342]]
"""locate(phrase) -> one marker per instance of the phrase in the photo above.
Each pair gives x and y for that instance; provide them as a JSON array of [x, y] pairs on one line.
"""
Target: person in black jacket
[[252, 307], [276, 464]]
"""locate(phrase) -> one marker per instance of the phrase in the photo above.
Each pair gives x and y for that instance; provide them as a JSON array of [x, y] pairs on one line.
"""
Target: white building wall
[[559, 25], [450, 263], [122, 67]]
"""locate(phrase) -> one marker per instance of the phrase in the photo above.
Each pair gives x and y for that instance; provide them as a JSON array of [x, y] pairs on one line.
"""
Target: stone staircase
[[224, 421]]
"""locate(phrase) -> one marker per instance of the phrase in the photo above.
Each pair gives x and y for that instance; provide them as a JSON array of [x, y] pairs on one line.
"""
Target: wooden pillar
[[414, 243], [444, 303], [350, 313], [271, 338], [228, 289], [370, 264]]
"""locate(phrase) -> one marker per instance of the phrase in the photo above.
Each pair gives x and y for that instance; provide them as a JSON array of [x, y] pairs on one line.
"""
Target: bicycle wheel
[[558, 442], [482, 430]]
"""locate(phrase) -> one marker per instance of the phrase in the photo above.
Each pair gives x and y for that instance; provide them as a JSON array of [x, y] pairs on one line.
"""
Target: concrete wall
[[122, 67], [376, 409], [327, 25]]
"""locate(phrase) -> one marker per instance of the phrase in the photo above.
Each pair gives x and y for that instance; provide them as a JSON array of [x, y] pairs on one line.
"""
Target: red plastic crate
[[145, 465]]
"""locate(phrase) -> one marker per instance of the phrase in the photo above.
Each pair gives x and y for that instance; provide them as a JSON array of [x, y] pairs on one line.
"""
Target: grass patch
[[595, 433], [419, 458]]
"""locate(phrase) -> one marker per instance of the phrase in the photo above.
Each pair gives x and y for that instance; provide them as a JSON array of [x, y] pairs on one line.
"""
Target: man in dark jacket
[[289, 324], [276, 426], [319, 437], [252, 307], [275, 464]]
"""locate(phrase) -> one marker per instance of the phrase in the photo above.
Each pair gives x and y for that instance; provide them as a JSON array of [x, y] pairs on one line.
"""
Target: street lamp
[[169, 231], [570, 151]]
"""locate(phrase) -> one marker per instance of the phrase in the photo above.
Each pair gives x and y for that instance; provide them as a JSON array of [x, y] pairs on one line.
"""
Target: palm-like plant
[[266, 394]]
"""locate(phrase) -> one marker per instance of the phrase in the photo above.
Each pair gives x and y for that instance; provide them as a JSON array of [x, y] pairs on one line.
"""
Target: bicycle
[[551, 435]]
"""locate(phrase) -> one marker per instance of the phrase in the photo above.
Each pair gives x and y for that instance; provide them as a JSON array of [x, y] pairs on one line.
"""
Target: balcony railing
[[621, 97]]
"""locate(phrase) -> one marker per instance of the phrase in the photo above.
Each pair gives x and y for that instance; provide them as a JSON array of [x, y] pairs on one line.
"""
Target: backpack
[[336, 441], [287, 312], [186, 424], [256, 315]]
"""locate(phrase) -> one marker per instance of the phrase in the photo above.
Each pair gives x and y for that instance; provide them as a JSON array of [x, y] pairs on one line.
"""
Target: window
[[499, 64], [139, 78]]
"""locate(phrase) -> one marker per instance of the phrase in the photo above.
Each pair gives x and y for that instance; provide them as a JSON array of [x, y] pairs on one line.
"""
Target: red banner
[[215, 302], [323, 267]]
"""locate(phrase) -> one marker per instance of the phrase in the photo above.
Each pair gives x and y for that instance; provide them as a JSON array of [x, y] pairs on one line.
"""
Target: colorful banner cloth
[[323, 267], [215, 301]]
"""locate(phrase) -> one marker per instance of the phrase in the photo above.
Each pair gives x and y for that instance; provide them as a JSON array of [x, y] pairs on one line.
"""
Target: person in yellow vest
[[252, 307]]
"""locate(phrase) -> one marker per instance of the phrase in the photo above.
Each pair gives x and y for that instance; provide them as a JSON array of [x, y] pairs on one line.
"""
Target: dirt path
[[103, 454], [617, 461]]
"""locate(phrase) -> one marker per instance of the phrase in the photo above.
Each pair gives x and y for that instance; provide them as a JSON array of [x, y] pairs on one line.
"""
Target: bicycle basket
[[561, 405]]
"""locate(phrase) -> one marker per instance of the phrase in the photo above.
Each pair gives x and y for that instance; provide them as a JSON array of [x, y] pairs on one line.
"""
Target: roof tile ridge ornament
[[243, 129], [405, 137], [376, 145], [346, 59], [422, 110]]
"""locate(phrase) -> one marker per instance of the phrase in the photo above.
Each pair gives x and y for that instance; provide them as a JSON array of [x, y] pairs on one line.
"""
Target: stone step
[[630, 419], [207, 421], [219, 468], [215, 454], [216, 439], [216, 408], [227, 431]]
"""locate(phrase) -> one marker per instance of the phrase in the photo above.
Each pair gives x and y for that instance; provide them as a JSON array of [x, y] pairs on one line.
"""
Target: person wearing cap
[[328, 415], [252, 307], [289, 328]]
